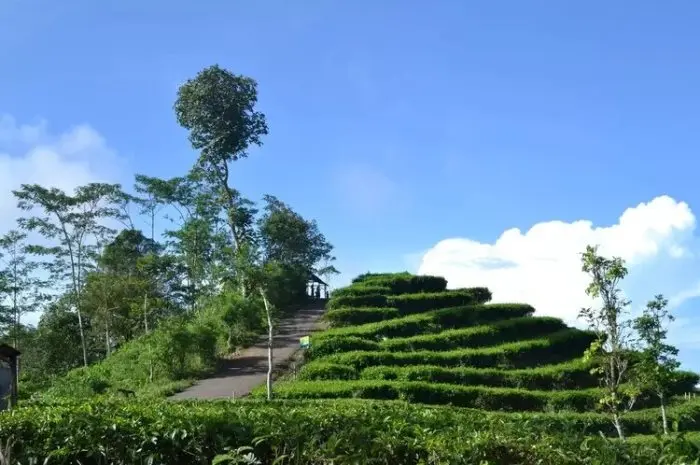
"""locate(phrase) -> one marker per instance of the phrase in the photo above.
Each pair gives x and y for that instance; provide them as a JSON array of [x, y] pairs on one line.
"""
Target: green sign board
[[305, 342]]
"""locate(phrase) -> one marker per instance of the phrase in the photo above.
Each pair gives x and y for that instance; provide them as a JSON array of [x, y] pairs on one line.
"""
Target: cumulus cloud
[[542, 265], [29, 154]]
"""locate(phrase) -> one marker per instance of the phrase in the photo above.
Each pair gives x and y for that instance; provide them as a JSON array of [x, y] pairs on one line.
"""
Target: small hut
[[316, 288], [8, 376]]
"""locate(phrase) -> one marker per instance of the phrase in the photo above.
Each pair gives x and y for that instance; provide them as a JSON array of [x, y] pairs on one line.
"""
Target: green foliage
[[336, 345], [558, 347], [401, 283], [478, 336], [331, 371], [307, 432], [358, 290], [418, 303], [481, 397], [358, 316], [413, 303], [568, 375], [178, 350], [361, 300], [432, 322]]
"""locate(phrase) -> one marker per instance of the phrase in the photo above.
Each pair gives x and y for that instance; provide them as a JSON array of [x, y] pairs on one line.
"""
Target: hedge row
[[339, 432], [409, 304], [360, 290], [478, 336], [405, 283], [571, 375], [336, 345], [482, 397], [432, 322], [558, 347], [414, 303], [366, 277], [358, 316], [365, 300]]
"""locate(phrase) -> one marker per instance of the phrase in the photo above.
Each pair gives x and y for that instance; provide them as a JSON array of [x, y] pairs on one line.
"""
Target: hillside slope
[[405, 337]]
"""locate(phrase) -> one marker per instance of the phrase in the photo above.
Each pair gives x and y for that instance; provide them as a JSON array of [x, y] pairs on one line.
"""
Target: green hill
[[405, 337]]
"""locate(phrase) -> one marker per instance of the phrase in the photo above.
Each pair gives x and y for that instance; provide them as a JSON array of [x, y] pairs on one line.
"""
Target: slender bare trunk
[[268, 314], [108, 345], [618, 426], [145, 312], [82, 336], [664, 420]]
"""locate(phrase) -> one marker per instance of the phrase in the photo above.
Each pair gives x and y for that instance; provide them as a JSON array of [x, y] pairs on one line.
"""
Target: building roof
[[316, 279], [7, 351]]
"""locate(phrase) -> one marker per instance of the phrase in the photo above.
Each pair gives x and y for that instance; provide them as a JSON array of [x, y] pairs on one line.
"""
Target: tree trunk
[[145, 312], [82, 336], [664, 420], [268, 313], [108, 345], [618, 426]]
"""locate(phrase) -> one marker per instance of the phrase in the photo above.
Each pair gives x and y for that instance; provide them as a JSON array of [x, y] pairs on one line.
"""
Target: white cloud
[[542, 266], [30, 154]]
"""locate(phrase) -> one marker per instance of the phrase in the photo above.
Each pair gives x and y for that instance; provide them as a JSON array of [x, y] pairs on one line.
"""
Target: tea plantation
[[405, 337], [407, 373]]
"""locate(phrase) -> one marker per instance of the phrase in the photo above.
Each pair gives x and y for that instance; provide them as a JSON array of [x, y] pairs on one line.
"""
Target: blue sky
[[395, 124]]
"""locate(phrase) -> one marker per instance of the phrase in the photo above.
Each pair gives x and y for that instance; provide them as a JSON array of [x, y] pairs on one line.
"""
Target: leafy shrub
[[481, 397], [341, 432], [358, 290], [418, 303], [558, 347], [358, 316], [406, 283], [329, 371], [432, 322], [366, 277], [486, 335], [336, 345], [178, 349], [366, 300]]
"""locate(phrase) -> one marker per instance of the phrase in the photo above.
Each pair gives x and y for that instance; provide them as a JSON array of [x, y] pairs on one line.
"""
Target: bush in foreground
[[315, 433]]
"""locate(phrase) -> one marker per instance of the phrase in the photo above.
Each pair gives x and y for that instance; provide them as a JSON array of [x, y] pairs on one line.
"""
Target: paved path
[[249, 369]]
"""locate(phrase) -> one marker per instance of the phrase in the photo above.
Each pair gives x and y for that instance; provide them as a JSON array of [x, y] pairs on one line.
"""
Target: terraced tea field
[[405, 337]]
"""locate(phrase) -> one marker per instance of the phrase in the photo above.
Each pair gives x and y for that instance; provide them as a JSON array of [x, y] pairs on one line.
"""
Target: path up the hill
[[248, 370]]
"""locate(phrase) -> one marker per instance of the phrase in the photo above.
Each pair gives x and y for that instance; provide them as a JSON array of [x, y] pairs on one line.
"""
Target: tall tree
[[658, 366], [277, 262], [22, 286], [73, 225], [217, 107], [612, 345], [296, 246]]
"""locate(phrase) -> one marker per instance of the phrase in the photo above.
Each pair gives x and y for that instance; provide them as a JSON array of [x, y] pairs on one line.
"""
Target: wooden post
[[13, 382]]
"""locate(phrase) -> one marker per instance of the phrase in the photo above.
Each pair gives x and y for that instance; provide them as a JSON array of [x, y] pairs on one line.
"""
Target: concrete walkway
[[249, 369]]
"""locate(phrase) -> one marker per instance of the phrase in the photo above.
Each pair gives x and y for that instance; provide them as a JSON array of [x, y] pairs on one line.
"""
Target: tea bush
[[570, 375], [479, 336], [482, 397], [409, 304], [432, 322], [308, 432], [358, 316], [558, 347]]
